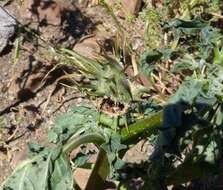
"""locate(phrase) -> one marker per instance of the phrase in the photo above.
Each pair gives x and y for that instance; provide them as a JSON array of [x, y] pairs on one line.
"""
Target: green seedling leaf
[[17, 50], [218, 56]]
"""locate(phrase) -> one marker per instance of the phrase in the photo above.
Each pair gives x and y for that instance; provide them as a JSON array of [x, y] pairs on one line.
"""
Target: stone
[[7, 28], [52, 14], [132, 6], [82, 175], [42, 11], [88, 47], [128, 6]]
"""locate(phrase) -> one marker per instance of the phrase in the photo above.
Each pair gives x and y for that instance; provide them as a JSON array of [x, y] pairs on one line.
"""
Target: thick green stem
[[101, 168], [88, 138], [100, 172], [107, 120], [148, 125]]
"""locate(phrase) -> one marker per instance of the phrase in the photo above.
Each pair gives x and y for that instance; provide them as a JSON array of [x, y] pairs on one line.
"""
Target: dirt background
[[31, 96]]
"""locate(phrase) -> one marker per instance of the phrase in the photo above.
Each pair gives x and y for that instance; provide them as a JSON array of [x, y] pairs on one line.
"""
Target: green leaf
[[33, 174], [218, 56], [112, 147], [105, 76], [77, 119], [47, 169], [62, 176], [201, 162], [185, 26], [187, 63], [147, 61], [188, 91], [81, 159]]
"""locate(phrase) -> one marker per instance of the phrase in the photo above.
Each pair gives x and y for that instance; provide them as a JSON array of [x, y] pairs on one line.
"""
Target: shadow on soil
[[73, 26], [72, 23]]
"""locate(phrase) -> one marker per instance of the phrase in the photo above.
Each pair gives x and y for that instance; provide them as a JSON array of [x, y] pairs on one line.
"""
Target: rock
[[51, 14], [18, 157], [139, 153], [42, 11], [26, 11], [7, 28], [82, 175], [132, 7], [88, 47]]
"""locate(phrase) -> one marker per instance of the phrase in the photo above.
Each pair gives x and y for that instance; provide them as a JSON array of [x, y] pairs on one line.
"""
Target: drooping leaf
[[79, 118], [105, 76], [62, 176]]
